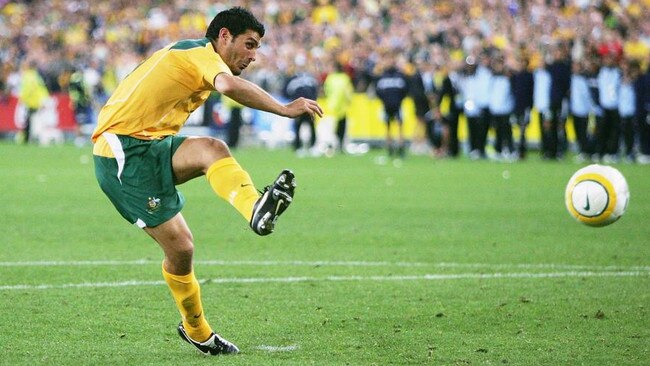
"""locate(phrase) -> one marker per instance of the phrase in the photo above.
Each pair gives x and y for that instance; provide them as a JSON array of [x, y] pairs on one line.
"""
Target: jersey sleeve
[[208, 64]]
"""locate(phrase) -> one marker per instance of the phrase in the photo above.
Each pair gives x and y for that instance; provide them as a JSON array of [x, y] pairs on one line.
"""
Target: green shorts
[[139, 180]]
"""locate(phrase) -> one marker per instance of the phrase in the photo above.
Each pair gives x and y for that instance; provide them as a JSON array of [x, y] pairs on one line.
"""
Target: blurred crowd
[[497, 63]]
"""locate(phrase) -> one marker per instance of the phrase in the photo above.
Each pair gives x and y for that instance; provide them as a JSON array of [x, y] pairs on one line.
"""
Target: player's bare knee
[[216, 148], [212, 150], [184, 254], [178, 244], [180, 257], [185, 243]]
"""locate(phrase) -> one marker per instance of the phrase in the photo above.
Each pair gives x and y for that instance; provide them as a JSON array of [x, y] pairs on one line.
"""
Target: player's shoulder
[[192, 51], [189, 44]]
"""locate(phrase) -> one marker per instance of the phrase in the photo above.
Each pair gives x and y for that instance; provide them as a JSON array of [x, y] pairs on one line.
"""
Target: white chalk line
[[289, 348], [425, 277], [297, 263]]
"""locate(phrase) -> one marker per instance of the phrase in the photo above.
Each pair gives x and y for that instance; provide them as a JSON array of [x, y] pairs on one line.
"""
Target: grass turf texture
[[343, 278]]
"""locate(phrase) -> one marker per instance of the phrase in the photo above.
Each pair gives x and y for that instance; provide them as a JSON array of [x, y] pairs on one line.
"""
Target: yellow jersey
[[338, 90], [156, 98], [33, 91]]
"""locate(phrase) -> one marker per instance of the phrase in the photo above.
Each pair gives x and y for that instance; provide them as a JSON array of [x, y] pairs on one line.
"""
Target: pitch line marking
[[426, 277], [297, 263], [289, 348]]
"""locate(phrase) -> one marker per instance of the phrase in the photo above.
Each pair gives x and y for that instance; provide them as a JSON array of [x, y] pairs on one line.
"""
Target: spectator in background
[[554, 130], [434, 74], [627, 107], [4, 88], [32, 95], [610, 44], [635, 48], [592, 68], [421, 100], [324, 12], [607, 131], [302, 83], [81, 104], [642, 92], [115, 37], [542, 101], [522, 90], [391, 88], [501, 105], [338, 90], [482, 83], [476, 123], [451, 92], [581, 104], [235, 121]]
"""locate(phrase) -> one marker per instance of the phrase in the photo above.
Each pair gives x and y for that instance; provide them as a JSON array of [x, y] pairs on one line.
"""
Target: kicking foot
[[274, 201]]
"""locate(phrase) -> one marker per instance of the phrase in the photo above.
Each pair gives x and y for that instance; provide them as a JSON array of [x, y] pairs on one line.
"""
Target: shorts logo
[[153, 204]]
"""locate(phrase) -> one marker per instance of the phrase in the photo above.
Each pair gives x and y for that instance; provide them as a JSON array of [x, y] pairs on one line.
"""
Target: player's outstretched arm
[[251, 95]]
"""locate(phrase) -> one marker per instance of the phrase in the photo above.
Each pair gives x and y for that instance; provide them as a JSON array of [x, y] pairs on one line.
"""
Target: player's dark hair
[[237, 20]]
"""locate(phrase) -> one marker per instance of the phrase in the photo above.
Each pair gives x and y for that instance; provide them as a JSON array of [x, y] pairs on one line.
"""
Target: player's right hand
[[301, 106]]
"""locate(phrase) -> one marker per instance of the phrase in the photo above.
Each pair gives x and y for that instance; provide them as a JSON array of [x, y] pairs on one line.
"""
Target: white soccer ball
[[597, 195]]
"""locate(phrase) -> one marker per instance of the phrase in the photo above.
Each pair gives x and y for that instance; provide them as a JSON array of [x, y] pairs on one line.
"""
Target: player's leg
[[401, 148], [388, 119], [28, 124], [472, 126], [508, 134], [211, 157], [297, 142], [615, 135], [312, 131], [643, 125], [175, 239], [389, 140], [341, 127], [483, 124], [454, 144]]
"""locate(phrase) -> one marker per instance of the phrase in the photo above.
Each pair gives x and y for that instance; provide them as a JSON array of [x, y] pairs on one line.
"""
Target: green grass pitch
[[440, 262]]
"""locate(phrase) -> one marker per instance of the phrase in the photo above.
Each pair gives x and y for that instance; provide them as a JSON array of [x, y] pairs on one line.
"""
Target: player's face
[[240, 51]]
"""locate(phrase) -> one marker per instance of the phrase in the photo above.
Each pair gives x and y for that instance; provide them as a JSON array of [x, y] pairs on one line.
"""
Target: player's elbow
[[225, 84]]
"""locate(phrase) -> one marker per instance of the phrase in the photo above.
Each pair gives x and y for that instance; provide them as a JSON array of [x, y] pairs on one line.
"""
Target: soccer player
[[139, 159]]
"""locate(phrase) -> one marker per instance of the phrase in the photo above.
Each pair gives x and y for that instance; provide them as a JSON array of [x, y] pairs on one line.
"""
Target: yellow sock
[[233, 184], [187, 294]]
